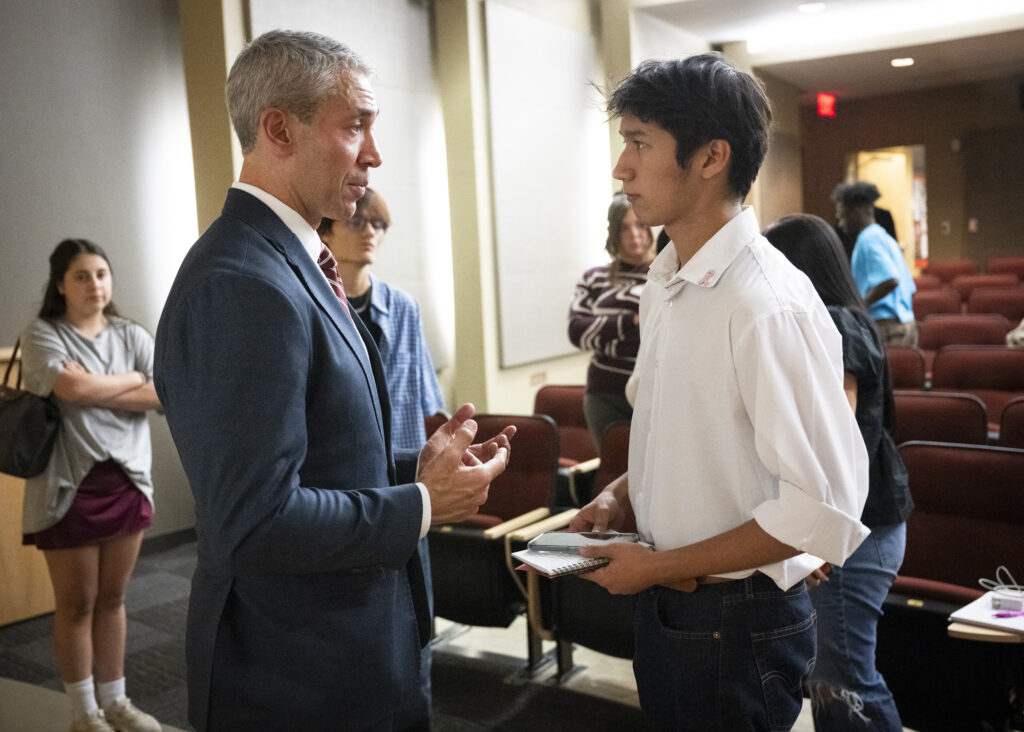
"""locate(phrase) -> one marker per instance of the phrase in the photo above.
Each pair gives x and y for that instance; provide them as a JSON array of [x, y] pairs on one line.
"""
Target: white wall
[[549, 175], [652, 37], [94, 143]]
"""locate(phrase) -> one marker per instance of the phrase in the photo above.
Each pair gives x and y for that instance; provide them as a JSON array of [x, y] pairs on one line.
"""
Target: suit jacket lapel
[[380, 379], [248, 208]]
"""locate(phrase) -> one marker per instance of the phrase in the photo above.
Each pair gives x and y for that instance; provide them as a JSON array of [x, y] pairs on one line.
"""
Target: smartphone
[[571, 541]]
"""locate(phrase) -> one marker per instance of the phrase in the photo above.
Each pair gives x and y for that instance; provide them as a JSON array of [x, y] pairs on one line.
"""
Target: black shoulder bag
[[28, 427]]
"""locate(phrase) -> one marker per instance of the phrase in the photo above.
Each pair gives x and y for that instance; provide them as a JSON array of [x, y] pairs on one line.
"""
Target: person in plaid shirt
[[390, 314]]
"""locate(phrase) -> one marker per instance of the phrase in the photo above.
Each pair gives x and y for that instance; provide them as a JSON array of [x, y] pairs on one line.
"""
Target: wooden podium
[[25, 589], [26, 583]]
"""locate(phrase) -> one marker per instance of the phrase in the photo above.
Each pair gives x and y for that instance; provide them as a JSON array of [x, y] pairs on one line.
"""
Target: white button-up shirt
[[740, 411]]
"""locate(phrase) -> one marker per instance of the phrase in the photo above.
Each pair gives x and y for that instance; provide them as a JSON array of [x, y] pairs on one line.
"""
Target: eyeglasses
[[358, 223]]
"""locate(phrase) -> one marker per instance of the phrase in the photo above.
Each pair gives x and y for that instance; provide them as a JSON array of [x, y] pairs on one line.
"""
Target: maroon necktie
[[329, 266]]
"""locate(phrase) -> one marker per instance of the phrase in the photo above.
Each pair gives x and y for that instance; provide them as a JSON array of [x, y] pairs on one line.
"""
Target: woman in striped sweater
[[604, 316]]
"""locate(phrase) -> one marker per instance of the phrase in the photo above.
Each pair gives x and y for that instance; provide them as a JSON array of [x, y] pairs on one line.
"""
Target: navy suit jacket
[[307, 608]]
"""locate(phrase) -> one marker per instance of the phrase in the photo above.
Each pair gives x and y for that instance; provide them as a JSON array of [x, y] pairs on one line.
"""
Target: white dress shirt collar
[[306, 235], [709, 262]]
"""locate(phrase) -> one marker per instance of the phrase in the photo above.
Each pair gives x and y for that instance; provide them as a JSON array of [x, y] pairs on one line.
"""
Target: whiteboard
[[550, 176]]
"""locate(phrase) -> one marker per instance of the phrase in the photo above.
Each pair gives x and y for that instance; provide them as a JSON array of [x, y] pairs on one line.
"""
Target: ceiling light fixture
[[810, 7], [901, 62]]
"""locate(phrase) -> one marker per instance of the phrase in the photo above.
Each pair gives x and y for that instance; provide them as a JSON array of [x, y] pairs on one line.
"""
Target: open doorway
[[899, 173]]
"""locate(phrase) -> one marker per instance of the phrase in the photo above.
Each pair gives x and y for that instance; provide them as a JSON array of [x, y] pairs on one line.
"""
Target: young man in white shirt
[[746, 467]]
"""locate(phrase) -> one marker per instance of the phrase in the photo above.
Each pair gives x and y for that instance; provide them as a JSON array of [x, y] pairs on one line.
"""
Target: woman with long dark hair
[[604, 317], [88, 509], [847, 691]]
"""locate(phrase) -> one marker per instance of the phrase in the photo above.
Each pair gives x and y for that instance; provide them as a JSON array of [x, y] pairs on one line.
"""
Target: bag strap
[[14, 357]]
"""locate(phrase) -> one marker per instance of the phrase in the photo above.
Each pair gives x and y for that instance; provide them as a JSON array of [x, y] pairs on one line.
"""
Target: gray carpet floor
[[155, 656], [470, 694]]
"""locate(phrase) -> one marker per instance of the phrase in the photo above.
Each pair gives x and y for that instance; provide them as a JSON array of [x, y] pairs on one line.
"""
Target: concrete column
[[212, 34]]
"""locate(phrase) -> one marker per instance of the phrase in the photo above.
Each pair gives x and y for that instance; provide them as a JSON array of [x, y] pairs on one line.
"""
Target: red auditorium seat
[[564, 404], [940, 417], [927, 282], [965, 284], [472, 582], [947, 329], [581, 612], [1011, 424], [576, 458], [930, 302], [968, 519], [906, 366], [946, 271], [969, 512], [1005, 301], [994, 374], [1002, 265]]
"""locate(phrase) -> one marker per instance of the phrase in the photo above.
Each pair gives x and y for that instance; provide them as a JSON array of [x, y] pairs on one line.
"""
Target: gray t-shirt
[[87, 435]]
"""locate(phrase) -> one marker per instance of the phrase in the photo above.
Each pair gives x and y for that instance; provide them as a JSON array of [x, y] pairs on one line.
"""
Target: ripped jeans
[[729, 656], [846, 690]]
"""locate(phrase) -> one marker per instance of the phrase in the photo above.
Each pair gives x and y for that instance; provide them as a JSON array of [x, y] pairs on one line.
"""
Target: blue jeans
[[847, 692], [728, 656]]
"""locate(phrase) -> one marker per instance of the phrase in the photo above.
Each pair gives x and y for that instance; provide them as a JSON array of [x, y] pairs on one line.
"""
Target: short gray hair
[[291, 70]]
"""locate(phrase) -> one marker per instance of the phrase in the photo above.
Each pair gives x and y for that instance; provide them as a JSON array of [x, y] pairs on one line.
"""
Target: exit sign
[[826, 105]]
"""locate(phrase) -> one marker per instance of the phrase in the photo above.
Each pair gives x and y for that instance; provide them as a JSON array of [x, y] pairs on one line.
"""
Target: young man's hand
[[633, 568], [610, 510]]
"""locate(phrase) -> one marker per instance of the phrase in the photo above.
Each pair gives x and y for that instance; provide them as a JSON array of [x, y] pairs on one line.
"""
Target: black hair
[[813, 247], [697, 100], [856, 195], [54, 304]]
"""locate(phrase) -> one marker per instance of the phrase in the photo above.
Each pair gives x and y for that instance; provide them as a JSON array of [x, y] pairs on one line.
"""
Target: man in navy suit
[[307, 609]]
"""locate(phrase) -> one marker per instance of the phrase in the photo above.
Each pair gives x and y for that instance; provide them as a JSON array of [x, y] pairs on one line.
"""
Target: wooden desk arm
[[969, 631], [512, 524], [586, 466], [551, 523], [573, 473], [531, 590]]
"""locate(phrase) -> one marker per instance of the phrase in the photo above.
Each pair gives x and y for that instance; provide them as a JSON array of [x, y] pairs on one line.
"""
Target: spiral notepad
[[558, 564]]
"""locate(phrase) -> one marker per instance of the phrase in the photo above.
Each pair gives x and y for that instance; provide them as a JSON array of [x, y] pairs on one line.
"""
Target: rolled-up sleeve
[[806, 434]]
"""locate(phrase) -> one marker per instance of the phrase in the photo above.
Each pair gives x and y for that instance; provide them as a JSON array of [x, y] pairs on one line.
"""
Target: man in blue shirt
[[391, 315], [877, 257]]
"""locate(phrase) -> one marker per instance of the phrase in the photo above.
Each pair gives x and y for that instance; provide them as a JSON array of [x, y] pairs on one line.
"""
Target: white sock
[[110, 691], [82, 695]]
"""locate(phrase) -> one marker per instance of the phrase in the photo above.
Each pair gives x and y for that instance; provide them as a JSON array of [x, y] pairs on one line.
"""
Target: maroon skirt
[[107, 505]]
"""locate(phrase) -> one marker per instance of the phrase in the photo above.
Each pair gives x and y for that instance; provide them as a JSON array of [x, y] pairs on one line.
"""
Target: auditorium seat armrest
[[518, 522], [551, 523], [580, 475], [534, 613], [920, 587]]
